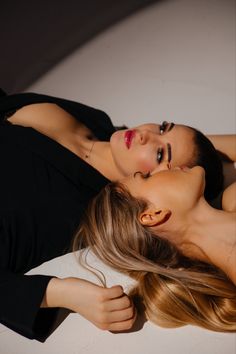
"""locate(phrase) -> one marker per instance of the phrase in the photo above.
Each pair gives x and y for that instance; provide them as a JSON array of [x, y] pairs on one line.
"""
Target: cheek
[[169, 193], [145, 161], [130, 161]]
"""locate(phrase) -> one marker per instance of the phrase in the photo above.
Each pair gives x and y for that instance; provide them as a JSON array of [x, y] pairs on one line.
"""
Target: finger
[[114, 292], [123, 325], [118, 325], [120, 303], [123, 315]]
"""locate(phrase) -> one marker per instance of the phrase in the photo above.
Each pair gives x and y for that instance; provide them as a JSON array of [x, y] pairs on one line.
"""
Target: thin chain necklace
[[87, 156]]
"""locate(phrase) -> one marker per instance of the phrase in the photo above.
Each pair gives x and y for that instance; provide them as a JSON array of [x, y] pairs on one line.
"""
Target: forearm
[[54, 294], [64, 293], [226, 144], [107, 308]]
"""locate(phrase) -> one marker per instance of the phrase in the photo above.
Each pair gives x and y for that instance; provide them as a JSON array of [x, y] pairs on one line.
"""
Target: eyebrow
[[171, 126], [169, 152]]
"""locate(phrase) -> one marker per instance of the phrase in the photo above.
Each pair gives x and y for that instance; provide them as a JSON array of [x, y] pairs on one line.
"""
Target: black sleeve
[[27, 239], [16, 101], [21, 296], [94, 118]]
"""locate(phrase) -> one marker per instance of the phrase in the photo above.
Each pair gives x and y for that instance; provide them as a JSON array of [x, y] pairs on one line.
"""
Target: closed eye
[[143, 175]]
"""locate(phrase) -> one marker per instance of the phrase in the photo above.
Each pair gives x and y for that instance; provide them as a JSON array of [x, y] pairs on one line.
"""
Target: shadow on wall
[[35, 36]]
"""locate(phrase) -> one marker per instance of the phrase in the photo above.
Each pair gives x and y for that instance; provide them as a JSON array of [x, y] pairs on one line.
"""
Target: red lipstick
[[129, 135]]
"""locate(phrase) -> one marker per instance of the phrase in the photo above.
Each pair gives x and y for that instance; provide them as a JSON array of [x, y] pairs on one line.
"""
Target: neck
[[211, 237], [101, 159]]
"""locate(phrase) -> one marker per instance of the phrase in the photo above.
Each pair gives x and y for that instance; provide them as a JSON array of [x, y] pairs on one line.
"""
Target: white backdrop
[[175, 61]]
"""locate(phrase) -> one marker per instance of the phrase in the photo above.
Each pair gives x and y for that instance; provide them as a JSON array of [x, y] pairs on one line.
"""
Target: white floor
[[175, 61], [76, 335]]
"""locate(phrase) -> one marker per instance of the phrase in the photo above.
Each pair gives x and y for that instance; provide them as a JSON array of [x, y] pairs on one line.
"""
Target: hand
[[107, 308]]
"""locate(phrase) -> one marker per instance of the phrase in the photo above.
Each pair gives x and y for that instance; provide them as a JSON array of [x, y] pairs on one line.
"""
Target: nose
[[142, 137], [145, 136]]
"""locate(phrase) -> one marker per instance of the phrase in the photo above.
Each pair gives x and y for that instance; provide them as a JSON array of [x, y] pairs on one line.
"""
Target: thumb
[[115, 291]]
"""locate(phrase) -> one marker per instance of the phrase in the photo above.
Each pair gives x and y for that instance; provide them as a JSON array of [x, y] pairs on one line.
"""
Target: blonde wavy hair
[[173, 290]]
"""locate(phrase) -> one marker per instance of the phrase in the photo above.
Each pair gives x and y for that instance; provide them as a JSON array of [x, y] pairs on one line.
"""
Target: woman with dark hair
[[56, 155]]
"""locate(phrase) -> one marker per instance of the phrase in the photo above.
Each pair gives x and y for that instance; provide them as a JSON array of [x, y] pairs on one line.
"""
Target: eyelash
[[160, 154], [163, 127], [146, 175], [143, 175], [160, 151]]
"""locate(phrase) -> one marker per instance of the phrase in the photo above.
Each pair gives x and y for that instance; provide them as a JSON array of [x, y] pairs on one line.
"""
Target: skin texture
[[178, 212], [175, 187], [148, 140], [113, 159], [226, 144], [229, 198], [107, 308]]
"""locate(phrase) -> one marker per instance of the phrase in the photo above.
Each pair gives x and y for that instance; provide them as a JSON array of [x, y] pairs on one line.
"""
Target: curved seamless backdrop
[[36, 35]]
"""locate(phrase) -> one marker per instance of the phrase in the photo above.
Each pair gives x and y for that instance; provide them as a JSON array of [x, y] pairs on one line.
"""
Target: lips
[[185, 168], [129, 135], [182, 168]]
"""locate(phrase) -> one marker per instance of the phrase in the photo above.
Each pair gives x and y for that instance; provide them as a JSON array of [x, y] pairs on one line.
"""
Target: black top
[[44, 189]]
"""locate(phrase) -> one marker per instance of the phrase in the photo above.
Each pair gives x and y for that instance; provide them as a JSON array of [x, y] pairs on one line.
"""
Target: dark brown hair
[[208, 157]]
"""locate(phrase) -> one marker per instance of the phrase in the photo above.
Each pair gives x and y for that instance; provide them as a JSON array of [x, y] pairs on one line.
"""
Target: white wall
[[175, 60]]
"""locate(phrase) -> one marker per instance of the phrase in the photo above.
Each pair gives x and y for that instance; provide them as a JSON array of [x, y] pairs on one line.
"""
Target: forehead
[[183, 145], [181, 139]]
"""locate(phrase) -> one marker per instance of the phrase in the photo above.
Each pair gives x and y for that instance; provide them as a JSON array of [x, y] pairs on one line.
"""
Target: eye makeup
[[166, 127], [160, 155], [169, 152], [171, 126], [163, 127]]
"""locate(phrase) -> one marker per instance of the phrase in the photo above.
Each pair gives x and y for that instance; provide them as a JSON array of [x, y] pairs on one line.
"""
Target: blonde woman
[[159, 229]]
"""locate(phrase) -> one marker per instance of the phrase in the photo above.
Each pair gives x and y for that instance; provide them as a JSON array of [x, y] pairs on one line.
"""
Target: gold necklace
[[87, 156]]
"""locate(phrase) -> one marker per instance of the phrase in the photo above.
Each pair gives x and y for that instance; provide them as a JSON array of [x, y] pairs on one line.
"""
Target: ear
[[154, 217]]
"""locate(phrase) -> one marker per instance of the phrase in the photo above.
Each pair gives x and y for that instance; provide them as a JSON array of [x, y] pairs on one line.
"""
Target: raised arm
[[226, 144]]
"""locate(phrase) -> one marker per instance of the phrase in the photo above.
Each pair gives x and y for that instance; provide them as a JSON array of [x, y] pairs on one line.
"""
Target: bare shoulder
[[44, 117], [229, 198]]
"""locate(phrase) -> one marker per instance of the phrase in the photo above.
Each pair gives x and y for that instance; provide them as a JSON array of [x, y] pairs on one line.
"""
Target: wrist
[[54, 294]]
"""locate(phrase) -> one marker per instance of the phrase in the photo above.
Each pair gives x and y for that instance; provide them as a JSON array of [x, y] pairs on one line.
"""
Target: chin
[[203, 187], [199, 172], [116, 140], [198, 169]]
